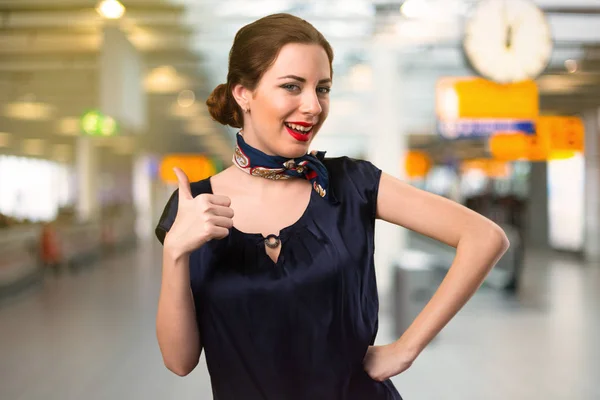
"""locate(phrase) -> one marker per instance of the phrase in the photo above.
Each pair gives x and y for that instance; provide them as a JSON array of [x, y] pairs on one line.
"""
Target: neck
[[262, 185], [252, 140]]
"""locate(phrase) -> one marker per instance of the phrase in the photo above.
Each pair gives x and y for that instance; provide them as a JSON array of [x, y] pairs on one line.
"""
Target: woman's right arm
[[176, 326], [199, 219]]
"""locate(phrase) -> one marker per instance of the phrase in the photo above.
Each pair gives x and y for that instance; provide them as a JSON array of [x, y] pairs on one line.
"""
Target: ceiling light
[[143, 38], [28, 110], [185, 112], [571, 66], [33, 147], [186, 98], [69, 126], [110, 9], [4, 139], [164, 79]]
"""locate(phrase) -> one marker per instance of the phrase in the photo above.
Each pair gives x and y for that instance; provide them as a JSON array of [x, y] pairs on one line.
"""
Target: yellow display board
[[556, 138], [196, 167], [563, 133], [477, 98], [512, 147]]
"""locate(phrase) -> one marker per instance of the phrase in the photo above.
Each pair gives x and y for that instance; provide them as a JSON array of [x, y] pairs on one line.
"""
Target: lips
[[305, 124], [299, 130], [301, 137]]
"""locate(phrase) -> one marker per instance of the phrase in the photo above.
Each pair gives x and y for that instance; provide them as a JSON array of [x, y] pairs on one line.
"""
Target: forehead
[[308, 61]]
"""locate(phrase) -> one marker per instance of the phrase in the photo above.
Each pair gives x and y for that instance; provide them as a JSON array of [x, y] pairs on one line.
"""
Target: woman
[[278, 249]]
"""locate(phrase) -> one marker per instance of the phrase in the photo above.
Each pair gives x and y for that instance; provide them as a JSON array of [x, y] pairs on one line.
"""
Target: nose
[[310, 104]]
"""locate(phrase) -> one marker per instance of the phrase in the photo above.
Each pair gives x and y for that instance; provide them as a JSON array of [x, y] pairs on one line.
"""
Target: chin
[[292, 148], [294, 151]]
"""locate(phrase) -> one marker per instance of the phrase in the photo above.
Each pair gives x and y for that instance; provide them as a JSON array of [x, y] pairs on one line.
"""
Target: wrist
[[173, 251], [408, 352]]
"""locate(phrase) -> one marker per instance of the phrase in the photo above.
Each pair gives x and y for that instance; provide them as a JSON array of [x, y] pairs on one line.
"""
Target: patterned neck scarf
[[310, 167]]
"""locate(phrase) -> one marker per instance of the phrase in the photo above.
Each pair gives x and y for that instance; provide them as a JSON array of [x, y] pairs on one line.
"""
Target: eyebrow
[[299, 79]]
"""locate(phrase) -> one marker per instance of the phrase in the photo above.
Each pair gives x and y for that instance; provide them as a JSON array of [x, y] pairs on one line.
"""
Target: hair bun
[[223, 108]]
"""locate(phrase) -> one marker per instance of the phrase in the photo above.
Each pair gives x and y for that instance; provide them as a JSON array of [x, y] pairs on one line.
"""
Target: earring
[[247, 110]]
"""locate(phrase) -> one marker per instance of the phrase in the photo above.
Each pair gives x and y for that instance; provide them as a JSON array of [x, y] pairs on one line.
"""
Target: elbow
[[502, 239], [180, 368], [498, 239]]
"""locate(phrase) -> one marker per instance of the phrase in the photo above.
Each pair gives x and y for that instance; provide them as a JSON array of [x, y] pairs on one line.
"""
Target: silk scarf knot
[[310, 166]]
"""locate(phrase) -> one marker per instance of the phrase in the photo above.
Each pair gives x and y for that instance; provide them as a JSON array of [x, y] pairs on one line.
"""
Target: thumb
[[184, 184]]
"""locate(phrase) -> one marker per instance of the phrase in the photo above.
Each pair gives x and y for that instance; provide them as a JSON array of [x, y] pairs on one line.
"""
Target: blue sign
[[473, 128]]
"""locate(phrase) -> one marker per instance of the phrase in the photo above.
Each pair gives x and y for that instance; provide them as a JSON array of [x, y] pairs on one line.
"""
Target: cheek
[[277, 108], [324, 109]]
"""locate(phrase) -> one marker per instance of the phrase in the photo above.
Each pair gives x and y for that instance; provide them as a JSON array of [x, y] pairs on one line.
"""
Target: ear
[[242, 96]]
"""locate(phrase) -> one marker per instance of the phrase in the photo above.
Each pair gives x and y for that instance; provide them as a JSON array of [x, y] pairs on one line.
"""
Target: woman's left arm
[[479, 244]]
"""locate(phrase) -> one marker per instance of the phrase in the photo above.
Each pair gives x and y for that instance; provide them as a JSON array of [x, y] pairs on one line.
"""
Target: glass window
[[33, 189]]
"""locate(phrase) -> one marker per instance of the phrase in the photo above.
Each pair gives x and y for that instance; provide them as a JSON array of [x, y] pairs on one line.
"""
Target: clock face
[[508, 40]]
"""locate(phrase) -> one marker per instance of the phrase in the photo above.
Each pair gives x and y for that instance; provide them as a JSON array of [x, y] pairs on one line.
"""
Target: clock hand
[[509, 35], [508, 39]]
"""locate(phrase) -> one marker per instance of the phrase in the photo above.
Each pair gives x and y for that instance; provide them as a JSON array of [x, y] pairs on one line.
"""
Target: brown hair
[[254, 50]]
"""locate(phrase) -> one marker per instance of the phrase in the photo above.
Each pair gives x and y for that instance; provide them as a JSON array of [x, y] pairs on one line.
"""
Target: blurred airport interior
[[494, 104]]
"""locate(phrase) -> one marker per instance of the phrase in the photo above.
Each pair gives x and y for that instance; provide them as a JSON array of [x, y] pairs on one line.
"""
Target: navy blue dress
[[298, 328]]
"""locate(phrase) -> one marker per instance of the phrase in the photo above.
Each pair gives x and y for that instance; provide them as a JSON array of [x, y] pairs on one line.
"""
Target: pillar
[[122, 97], [122, 94], [592, 185], [143, 195], [387, 144], [86, 164], [537, 209]]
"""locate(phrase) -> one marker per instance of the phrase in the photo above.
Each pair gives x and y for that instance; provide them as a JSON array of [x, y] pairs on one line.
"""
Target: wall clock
[[507, 41]]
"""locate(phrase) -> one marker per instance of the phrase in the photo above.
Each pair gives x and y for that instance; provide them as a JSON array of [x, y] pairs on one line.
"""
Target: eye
[[290, 87], [323, 90]]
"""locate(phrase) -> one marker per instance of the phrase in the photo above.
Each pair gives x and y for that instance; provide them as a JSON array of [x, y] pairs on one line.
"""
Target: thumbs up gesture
[[199, 219]]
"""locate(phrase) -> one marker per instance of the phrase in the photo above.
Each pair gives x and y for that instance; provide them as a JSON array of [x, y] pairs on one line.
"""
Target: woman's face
[[290, 102]]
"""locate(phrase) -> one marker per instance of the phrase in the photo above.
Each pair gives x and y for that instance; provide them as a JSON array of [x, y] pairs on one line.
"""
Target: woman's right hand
[[199, 219]]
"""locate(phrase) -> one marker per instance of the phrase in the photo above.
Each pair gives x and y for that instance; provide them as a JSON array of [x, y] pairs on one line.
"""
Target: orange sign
[[417, 164], [458, 98], [555, 138], [564, 133], [511, 147], [196, 167]]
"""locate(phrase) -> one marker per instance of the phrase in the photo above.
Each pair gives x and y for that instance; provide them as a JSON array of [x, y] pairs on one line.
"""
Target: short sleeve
[[356, 182], [166, 220], [168, 217]]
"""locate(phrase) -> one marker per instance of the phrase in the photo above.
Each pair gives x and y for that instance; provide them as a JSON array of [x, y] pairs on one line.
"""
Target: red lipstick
[[305, 124], [298, 136]]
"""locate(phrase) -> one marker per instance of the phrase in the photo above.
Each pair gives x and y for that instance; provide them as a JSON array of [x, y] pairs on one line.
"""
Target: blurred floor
[[91, 336]]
